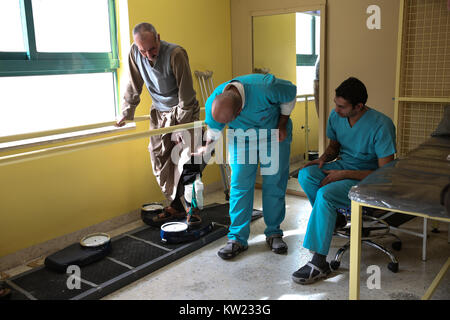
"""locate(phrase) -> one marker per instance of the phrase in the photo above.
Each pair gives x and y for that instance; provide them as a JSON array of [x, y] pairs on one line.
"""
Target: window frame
[[31, 62], [308, 60]]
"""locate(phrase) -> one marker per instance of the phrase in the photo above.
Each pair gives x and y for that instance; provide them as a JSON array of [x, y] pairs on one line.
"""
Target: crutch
[[207, 87]]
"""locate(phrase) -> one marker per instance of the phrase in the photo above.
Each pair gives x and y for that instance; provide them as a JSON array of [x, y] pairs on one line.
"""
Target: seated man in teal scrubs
[[252, 106], [364, 140]]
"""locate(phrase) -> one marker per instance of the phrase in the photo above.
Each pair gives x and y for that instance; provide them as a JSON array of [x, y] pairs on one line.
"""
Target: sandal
[[310, 273], [231, 250], [277, 244], [166, 216]]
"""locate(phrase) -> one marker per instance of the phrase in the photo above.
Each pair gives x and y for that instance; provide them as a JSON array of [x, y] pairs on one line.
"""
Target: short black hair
[[352, 90]]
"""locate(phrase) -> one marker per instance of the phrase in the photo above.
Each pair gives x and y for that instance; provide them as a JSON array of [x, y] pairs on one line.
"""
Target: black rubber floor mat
[[44, 284], [134, 255]]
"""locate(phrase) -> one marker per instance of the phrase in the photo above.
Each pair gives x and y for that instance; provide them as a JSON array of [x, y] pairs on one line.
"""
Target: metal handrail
[[36, 154], [38, 134], [33, 155], [306, 96]]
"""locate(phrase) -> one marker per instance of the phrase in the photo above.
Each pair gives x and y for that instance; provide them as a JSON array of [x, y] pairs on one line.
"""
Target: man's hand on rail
[[121, 122]]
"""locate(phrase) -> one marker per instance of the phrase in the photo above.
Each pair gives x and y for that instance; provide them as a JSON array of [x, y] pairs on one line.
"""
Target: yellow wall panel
[[50, 197]]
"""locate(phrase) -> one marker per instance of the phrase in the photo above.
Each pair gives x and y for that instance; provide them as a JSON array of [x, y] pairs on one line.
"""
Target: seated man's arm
[[336, 175], [383, 161], [331, 153]]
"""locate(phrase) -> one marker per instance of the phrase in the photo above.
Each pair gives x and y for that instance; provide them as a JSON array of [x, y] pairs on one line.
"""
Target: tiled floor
[[260, 274]]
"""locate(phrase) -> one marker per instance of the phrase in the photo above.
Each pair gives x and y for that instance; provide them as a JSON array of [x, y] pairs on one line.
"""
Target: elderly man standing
[[164, 68], [254, 105]]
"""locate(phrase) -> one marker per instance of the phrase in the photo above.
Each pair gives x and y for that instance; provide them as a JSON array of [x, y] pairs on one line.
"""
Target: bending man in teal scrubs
[[252, 105], [364, 139]]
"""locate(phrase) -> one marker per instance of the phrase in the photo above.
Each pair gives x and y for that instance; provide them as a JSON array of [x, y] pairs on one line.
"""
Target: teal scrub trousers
[[324, 201], [242, 185]]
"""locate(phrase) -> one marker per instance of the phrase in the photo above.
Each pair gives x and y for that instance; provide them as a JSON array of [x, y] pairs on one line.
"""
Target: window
[[58, 62], [307, 48], [10, 27]]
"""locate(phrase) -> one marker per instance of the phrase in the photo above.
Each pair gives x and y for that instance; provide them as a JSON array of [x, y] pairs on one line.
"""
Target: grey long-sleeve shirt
[[179, 61]]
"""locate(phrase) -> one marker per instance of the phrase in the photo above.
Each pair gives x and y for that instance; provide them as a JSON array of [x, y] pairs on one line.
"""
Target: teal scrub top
[[371, 138], [263, 96]]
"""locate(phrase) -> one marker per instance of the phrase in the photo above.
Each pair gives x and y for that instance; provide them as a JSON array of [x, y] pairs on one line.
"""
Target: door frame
[[242, 13]]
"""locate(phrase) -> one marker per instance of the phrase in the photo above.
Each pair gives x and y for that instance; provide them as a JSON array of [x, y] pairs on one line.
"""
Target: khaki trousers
[[167, 172]]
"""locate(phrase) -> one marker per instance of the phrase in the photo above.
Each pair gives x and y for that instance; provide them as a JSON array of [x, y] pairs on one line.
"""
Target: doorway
[[288, 46]]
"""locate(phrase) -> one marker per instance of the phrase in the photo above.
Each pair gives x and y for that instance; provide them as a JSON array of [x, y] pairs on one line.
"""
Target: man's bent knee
[[309, 174]]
